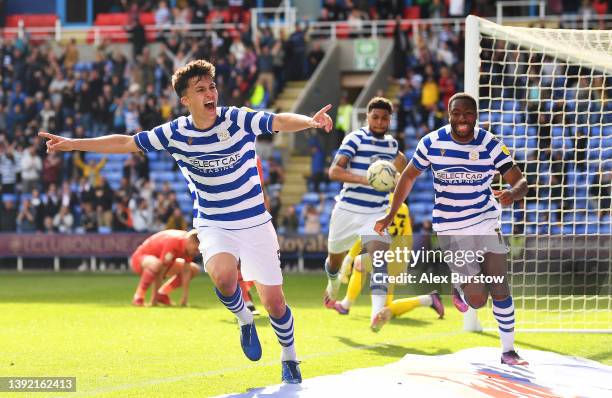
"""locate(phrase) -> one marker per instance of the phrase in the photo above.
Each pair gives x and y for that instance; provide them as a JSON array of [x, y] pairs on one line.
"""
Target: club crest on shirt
[[474, 155], [189, 140], [442, 151], [223, 135]]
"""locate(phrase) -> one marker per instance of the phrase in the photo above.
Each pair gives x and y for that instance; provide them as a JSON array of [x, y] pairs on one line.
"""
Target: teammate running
[[464, 159], [358, 205]]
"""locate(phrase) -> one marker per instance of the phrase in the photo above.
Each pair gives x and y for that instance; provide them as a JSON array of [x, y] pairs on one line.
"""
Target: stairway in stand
[[294, 188]]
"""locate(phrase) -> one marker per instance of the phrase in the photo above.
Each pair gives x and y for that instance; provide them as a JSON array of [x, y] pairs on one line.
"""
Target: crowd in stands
[[43, 89], [356, 11], [429, 69]]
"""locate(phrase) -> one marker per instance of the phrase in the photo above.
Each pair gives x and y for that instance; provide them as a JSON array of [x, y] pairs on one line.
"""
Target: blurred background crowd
[[53, 89]]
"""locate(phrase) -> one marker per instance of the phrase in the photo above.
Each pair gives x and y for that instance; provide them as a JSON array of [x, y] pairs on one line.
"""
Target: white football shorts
[[345, 227], [256, 248]]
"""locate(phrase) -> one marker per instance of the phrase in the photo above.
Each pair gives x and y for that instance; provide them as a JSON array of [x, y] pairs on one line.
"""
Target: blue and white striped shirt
[[462, 177], [219, 165], [363, 148]]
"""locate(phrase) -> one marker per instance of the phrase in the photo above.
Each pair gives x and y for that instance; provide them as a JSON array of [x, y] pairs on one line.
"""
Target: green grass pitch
[[83, 325]]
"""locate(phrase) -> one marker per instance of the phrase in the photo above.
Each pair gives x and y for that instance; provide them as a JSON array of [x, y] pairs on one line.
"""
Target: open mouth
[[464, 128], [210, 105]]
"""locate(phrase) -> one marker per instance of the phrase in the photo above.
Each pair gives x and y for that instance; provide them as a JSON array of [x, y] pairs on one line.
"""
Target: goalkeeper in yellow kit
[[401, 231]]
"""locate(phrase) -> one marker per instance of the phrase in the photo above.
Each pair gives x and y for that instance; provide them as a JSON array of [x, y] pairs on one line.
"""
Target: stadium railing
[[316, 30]]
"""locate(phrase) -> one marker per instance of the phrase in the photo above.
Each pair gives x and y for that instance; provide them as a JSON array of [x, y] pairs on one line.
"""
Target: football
[[382, 175]]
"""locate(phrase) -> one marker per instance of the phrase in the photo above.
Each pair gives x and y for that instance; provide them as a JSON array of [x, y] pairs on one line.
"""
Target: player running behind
[[214, 148], [464, 159], [358, 205], [401, 232]]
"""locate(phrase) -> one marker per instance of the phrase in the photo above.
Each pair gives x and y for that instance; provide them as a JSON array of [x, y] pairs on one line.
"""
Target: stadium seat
[[594, 153], [30, 20], [532, 131], [343, 30], [496, 104], [334, 186], [520, 130], [509, 105], [557, 131], [506, 228], [104, 230], [508, 130], [121, 19], [508, 117], [413, 12], [557, 143], [311, 198]]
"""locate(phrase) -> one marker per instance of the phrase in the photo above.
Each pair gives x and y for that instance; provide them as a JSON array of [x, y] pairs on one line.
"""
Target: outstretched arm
[[114, 143], [185, 279], [291, 122]]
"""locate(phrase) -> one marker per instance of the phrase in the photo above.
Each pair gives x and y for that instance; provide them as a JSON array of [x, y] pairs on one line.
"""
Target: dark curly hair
[[197, 68]]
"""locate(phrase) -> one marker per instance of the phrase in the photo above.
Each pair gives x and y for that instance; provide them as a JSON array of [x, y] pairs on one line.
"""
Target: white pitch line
[[152, 382]]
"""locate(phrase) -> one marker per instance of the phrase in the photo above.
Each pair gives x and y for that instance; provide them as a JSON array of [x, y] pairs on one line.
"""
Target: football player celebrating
[[464, 159]]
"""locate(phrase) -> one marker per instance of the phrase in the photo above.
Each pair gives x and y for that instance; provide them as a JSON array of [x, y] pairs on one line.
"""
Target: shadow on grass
[[606, 355], [261, 320], [403, 321], [389, 350], [523, 343]]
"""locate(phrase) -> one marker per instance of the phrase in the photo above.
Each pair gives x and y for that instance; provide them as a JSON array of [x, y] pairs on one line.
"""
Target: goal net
[[547, 93]]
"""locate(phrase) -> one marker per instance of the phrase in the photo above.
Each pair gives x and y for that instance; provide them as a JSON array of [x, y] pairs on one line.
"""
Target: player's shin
[[333, 281], [503, 311], [379, 287], [146, 279], [283, 327], [235, 304]]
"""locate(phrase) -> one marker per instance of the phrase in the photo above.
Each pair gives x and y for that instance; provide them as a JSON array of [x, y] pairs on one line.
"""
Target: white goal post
[[547, 93]]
